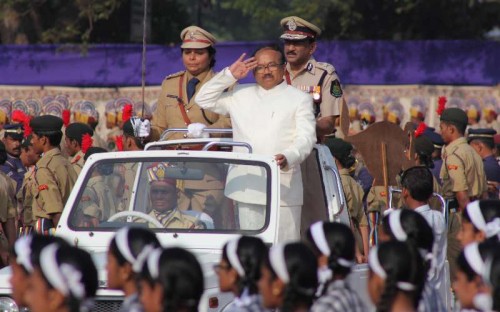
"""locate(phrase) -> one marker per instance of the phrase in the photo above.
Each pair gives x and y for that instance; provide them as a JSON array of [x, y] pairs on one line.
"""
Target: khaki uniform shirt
[[462, 170], [168, 114], [175, 219], [7, 207], [354, 197], [97, 200], [25, 196], [112, 134], [77, 162], [53, 182], [330, 92]]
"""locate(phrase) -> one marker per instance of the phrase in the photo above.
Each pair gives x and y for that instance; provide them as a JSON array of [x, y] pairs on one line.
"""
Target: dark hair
[[181, 278], [459, 126], [489, 210], [54, 137], [302, 266], [494, 278], [273, 47], [402, 263], [140, 142], [341, 242], [419, 233], [489, 143], [486, 249], [419, 182], [211, 54], [81, 261], [137, 239], [251, 252]]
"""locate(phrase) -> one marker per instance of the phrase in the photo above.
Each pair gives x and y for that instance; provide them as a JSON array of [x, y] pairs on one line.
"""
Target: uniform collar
[[453, 145], [201, 77], [423, 208], [308, 67], [344, 171]]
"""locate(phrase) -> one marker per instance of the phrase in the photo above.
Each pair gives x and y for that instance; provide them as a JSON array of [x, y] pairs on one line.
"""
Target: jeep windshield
[[174, 194]]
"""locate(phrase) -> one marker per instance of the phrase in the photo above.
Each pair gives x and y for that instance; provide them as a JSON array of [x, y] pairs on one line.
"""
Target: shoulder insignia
[[452, 167], [76, 159], [326, 66], [335, 89], [43, 187], [177, 74], [309, 67], [383, 193]]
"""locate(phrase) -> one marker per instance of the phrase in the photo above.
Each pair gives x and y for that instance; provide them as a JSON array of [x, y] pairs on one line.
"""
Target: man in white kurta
[[275, 119]]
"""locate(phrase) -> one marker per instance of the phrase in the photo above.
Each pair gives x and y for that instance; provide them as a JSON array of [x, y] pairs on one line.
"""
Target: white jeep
[[188, 167]]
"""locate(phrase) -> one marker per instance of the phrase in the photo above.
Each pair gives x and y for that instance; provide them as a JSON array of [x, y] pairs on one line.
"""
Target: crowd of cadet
[[42, 152]]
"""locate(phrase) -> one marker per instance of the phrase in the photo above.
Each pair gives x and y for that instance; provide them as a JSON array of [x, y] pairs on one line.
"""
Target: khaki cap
[[296, 28], [194, 37]]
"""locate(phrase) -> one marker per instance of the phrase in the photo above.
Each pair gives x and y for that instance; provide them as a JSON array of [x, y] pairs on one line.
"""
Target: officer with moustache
[[13, 167]]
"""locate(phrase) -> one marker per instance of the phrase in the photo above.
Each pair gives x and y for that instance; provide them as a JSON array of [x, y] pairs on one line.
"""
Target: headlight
[[8, 304]]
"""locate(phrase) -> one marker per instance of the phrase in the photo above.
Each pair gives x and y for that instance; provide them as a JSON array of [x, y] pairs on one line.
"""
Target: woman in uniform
[[239, 272], [171, 280], [64, 280], [288, 278], [334, 246], [125, 254]]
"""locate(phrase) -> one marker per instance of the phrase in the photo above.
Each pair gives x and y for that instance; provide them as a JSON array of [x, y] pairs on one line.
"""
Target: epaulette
[[175, 75], [326, 66]]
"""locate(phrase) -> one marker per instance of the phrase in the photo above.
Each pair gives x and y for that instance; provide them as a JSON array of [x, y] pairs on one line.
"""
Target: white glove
[[142, 128], [195, 130]]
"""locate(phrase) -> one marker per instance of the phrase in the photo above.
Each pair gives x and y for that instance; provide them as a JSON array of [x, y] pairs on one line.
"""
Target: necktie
[[191, 87]]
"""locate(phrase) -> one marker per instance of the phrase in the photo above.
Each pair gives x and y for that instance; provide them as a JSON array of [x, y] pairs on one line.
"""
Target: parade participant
[[417, 110], [473, 111], [26, 251], [395, 281], [462, 174], [395, 113], [490, 117], [176, 107], [417, 185], [333, 245], [354, 121], [408, 226], [8, 211], [366, 115], [302, 71], [54, 175], [482, 142], [239, 271], [468, 285], [163, 199], [284, 110], [13, 167], [341, 151], [126, 253], [491, 276], [5, 112], [78, 140], [64, 279], [289, 278], [90, 116], [111, 125], [97, 202], [136, 134], [438, 143], [25, 194], [480, 222], [171, 280]]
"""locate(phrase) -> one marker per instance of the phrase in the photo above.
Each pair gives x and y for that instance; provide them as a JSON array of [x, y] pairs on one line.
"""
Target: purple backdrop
[[357, 62]]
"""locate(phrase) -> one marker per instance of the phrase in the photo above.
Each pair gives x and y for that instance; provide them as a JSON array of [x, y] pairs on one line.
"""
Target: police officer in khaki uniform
[[462, 174], [54, 174], [78, 139], [341, 151], [163, 198], [8, 211], [176, 107], [97, 202], [25, 194]]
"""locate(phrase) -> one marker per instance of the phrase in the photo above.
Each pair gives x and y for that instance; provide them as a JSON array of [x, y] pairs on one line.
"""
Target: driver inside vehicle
[[163, 195]]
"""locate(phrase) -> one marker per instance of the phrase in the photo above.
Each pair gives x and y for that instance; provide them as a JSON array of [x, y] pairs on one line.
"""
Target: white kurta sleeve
[[211, 95], [305, 135]]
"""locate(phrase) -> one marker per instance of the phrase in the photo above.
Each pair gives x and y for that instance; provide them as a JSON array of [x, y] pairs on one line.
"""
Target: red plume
[[441, 105], [26, 126], [66, 114], [127, 112], [18, 116], [119, 142], [86, 142], [420, 129]]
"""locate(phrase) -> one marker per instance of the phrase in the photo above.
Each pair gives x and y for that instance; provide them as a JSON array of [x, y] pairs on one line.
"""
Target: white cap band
[[141, 258], [396, 227], [318, 236], [492, 228], [121, 239], [153, 263], [473, 257], [232, 256], [277, 260], [22, 248], [377, 268], [476, 216]]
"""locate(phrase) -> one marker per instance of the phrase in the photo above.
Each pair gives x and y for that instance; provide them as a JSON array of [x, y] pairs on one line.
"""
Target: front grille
[[106, 306]]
